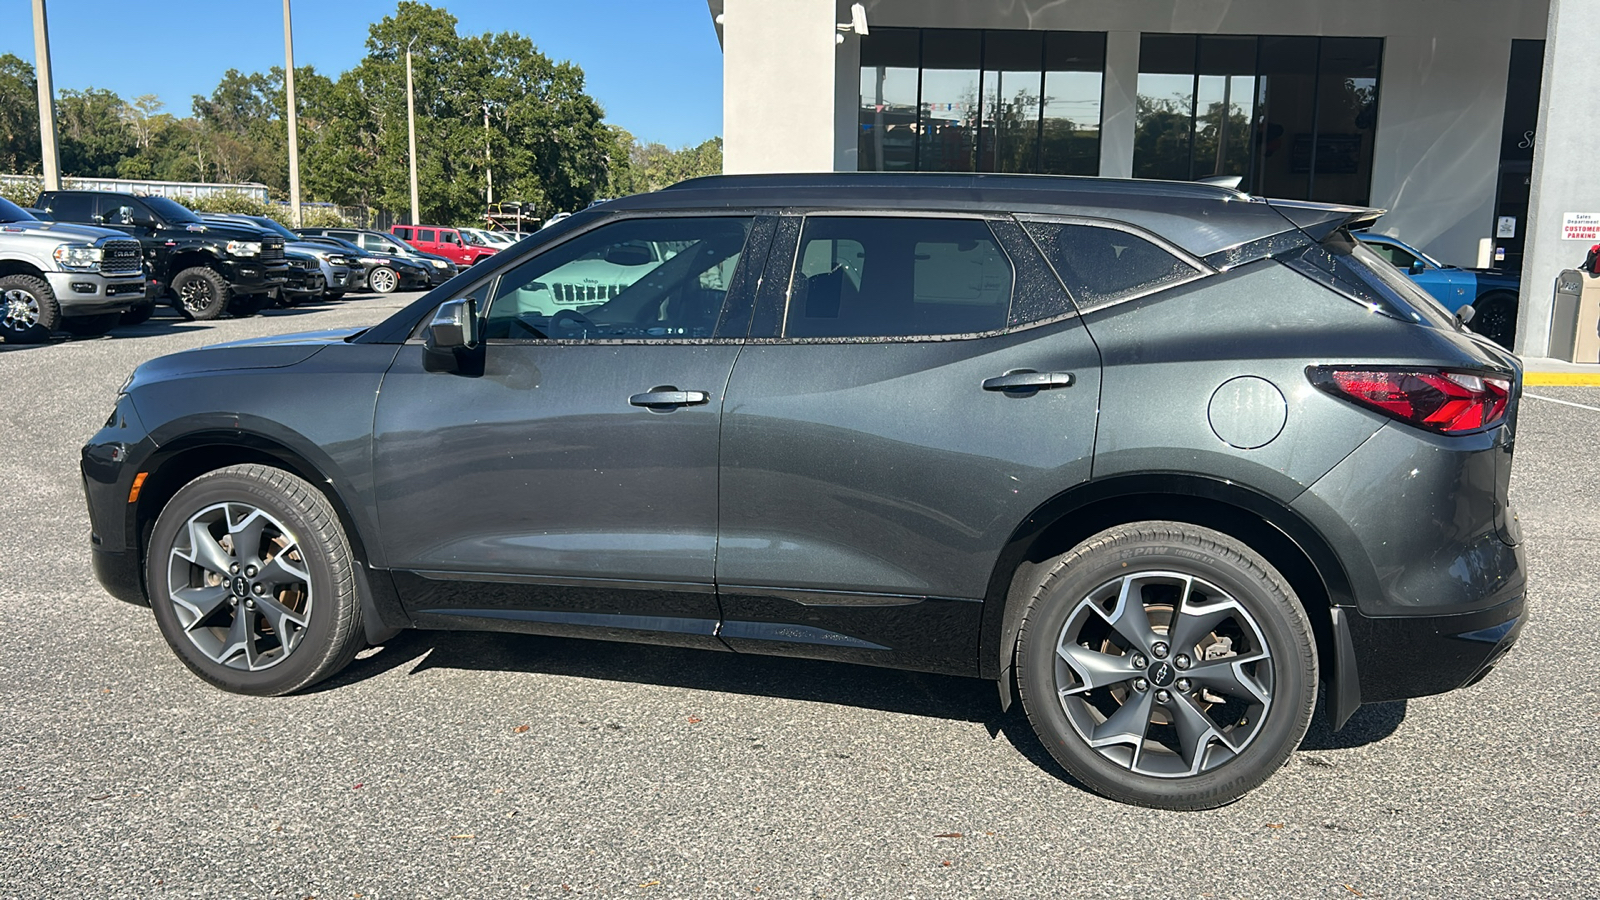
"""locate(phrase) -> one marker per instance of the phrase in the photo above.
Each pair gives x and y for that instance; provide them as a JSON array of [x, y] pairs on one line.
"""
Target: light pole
[[293, 115], [488, 163], [47, 99], [411, 127]]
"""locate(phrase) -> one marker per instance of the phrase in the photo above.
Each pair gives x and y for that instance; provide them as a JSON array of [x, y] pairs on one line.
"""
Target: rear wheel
[[201, 293], [28, 309], [252, 581], [1495, 317], [1166, 665], [91, 326]]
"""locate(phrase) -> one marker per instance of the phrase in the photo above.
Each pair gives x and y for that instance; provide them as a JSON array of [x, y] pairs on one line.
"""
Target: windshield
[[170, 211], [10, 212], [274, 226]]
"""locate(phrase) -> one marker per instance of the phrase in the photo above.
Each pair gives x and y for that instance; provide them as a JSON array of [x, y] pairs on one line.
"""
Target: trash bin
[[1575, 321]]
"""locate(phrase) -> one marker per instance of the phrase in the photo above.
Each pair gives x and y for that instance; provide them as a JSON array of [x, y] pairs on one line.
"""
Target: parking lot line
[[1563, 402]]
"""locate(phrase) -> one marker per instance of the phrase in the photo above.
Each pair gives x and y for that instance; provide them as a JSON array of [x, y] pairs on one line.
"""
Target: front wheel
[[383, 280], [201, 293], [28, 309], [252, 581], [1166, 665]]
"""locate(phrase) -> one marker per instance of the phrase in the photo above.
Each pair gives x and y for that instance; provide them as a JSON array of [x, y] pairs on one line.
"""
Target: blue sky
[[653, 64]]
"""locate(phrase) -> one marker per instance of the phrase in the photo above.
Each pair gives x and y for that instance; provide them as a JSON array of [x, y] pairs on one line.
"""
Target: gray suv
[[55, 276], [1158, 459]]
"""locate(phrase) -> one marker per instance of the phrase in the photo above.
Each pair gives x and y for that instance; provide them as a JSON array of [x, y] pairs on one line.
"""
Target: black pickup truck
[[204, 267]]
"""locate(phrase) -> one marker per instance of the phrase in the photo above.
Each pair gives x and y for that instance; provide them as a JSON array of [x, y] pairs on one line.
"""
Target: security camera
[[858, 22]]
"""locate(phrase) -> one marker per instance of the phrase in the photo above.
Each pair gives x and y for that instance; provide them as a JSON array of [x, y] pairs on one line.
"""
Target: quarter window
[[1102, 265], [403, 233], [886, 277], [652, 279]]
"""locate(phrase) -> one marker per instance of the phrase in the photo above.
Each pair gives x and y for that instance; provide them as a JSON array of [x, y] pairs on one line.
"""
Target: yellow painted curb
[[1587, 379]]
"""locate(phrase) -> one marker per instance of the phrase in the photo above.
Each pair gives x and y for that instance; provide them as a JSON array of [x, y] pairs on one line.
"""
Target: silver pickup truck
[[55, 276]]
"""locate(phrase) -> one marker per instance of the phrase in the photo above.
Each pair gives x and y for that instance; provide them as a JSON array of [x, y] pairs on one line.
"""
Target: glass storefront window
[[1011, 95], [1293, 117], [888, 133], [948, 125], [1074, 68], [944, 100]]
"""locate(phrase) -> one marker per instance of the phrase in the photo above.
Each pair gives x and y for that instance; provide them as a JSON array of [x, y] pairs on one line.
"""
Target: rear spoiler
[[1318, 220]]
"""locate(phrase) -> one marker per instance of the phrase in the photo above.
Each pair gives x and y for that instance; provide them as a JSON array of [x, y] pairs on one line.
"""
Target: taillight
[[1445, 402]]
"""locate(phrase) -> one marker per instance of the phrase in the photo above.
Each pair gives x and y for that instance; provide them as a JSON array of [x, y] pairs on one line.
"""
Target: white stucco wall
[[1443, 85]]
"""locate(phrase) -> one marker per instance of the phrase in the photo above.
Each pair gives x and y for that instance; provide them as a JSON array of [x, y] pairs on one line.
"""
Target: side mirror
[[452, 338], [143, 222], [1417, 267]]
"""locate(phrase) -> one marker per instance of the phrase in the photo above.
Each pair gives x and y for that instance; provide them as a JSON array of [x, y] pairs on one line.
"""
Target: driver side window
[[656, 278]]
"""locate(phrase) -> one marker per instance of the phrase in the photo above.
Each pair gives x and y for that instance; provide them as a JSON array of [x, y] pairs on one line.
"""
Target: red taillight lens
[[1446, 402]]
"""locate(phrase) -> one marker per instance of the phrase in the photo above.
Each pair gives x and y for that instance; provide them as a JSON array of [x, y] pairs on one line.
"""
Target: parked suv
[[450, 243], [71, 277], [1159, 456], [377, 243], [206, 268]]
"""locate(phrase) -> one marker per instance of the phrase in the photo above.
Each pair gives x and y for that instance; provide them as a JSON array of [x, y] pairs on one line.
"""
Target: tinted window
[[71, 207], [170, 210], [1393, 255], [1102, 265], [884, 277], [660, 278], [403, 233], [425, 235], [10, 212], [115, 210]]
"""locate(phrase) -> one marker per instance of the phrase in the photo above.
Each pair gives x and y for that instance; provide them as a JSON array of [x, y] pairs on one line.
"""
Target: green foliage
[[22, 193], [487, 106], [245, 204], [651, 167], [19, 116]]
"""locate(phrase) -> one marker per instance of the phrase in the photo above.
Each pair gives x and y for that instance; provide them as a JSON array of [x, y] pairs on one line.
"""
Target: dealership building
[[1475, 122]]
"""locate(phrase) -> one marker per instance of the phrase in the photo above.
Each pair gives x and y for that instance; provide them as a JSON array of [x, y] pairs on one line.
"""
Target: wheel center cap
[[240, 586], [1162, 674]]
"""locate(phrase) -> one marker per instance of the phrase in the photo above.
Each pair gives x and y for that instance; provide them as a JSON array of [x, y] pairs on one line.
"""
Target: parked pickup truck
[[70, 277], [446, 242], [206, 269]]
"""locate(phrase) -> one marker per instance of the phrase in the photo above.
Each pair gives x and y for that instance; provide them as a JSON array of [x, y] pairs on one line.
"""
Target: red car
[[463, 250]]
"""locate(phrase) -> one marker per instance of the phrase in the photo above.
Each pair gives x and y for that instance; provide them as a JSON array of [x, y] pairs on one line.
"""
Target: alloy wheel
[[196, 295], [21, 310], [238, 583], [1164, 674], [383, 280]]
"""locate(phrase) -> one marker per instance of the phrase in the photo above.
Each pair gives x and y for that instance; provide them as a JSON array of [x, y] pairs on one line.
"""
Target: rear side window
[[1350, 267], [425, 235], [403, 233], [859, 276], [1103, 265], [71, 207]]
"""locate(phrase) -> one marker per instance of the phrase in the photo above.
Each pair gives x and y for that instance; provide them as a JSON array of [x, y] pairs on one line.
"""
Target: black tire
[[1192, 741], [298, 535], [382, 280], [243, 306], [200, 293], [1495, 317], [28, 309], [91, 326], [138, 315]]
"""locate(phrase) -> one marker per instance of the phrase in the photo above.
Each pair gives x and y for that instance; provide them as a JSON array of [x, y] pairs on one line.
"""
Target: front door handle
[[667, 398], [1028, 382]]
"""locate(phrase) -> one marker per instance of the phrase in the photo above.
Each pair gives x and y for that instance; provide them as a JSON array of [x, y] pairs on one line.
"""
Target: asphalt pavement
[[464, 765]]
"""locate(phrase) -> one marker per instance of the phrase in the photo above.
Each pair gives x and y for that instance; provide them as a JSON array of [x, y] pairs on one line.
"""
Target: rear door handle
[[1027, 382], [665, 398]]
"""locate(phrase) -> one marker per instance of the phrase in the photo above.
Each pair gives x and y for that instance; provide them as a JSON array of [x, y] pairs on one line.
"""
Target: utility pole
[[294, 115], [488, 164], [47, 99], [411, 127]]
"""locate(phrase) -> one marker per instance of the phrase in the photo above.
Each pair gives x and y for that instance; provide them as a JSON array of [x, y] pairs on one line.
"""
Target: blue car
[[1491, 292]]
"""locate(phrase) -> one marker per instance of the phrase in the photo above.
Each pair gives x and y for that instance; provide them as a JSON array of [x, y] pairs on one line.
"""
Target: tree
[[94, 137], [19, 116]]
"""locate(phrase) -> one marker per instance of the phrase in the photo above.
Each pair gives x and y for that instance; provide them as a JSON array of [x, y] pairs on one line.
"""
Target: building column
[[778, 86], [1119, 105], [1563, 164]]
